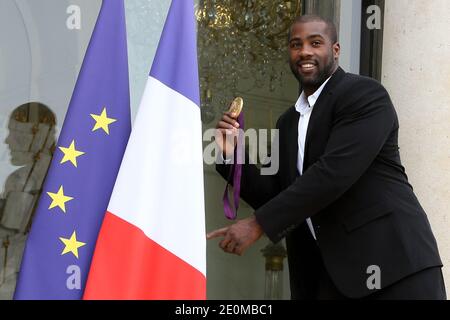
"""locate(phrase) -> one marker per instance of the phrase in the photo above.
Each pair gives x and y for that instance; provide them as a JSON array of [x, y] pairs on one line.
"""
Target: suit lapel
[[317, 122], [293, 145]]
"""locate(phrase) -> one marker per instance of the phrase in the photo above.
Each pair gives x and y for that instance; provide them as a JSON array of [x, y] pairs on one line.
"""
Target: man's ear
[[336, 50]]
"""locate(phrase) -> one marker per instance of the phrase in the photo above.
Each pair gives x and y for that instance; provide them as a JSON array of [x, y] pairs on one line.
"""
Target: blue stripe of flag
[[175, 62]]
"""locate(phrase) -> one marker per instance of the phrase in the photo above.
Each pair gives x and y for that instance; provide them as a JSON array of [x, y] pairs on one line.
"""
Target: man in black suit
[[341, 198]]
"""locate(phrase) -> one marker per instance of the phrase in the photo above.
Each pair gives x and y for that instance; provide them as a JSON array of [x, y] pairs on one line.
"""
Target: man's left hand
[[239, 236]]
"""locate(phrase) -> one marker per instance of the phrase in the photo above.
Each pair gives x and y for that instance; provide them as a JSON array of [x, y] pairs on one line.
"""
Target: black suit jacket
[[354, 188]]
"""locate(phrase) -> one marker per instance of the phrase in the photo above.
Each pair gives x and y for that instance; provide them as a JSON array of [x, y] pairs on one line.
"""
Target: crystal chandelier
[[242, 46]]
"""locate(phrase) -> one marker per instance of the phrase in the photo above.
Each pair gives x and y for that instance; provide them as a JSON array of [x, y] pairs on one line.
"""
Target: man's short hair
[[331, 27]]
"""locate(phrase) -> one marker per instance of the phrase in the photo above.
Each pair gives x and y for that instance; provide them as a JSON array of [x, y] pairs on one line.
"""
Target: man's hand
[[239, 236], [226, 134]]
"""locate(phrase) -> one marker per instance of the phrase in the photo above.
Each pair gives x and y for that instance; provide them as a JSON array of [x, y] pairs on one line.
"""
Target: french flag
[[152, 241]]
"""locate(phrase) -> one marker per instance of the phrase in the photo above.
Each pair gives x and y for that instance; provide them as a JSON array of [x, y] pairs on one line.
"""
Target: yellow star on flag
[[71, 154], [102, 121], [59, 199], [72, 245]]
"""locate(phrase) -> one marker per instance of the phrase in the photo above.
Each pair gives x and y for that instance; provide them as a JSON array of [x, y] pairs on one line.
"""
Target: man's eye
[[316, 43], [295, 45]]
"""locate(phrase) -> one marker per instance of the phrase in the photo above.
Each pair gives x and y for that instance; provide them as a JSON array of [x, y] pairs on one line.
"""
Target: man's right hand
[[227, 130]]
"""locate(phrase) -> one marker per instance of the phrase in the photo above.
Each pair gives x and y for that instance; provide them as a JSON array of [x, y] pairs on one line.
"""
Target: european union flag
[[84, 168]]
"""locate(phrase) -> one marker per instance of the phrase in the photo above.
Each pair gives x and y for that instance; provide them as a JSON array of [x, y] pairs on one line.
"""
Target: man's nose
[[305, 52]]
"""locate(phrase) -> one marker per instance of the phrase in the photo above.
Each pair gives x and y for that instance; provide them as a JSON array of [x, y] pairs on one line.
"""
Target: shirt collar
[[303, 105]]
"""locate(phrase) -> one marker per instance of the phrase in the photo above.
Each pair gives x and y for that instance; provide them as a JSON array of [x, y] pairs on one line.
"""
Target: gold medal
[[236, 107]]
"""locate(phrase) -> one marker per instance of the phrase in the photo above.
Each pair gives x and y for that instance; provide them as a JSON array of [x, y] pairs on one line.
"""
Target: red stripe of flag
[[129, 265]]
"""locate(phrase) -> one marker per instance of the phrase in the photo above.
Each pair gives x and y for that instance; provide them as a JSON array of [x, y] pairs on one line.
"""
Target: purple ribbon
[[236, 173]]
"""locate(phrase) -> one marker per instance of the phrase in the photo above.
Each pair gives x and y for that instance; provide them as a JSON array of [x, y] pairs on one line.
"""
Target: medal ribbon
[[236, 174]]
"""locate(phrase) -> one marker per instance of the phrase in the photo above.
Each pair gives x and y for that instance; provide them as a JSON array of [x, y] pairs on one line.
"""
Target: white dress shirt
[[305, 106]]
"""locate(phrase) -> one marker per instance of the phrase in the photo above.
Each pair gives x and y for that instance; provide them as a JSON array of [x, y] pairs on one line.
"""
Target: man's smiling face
[[313, 55]]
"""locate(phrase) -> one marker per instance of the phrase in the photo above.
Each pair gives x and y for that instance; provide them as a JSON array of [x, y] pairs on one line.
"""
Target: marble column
[[416, 72]]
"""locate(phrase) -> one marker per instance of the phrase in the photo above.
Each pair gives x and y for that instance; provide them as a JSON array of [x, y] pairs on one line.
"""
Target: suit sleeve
[[256, 189], [363, 121]]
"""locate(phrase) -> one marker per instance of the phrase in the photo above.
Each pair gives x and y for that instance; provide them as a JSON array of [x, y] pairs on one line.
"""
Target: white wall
[[416, 72]]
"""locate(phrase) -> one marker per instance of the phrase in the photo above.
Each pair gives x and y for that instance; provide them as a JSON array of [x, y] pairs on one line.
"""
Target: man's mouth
[[307, 66]]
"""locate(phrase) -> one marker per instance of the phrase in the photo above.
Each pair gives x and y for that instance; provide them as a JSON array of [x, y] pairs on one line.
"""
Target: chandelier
[[242, 46]]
